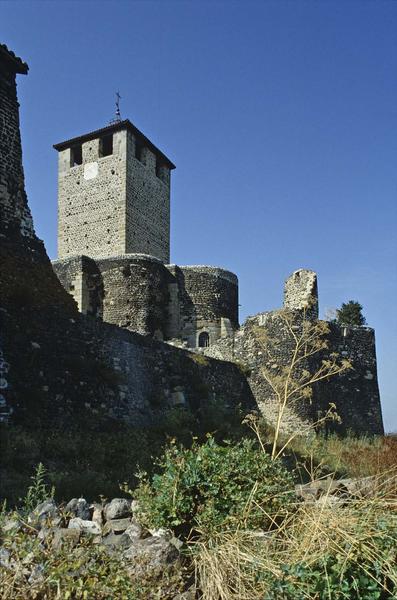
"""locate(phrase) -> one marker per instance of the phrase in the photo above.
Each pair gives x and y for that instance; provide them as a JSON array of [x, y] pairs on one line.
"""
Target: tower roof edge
[[112, 128]]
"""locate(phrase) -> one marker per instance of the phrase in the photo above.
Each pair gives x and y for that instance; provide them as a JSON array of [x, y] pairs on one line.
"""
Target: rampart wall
[[70, 369], [139, 293], [354, 392]]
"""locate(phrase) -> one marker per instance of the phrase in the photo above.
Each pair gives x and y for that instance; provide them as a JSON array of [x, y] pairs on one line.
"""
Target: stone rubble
[[113, 526]]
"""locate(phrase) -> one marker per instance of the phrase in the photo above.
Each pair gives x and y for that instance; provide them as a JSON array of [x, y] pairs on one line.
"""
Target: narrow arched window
[[204, 340]]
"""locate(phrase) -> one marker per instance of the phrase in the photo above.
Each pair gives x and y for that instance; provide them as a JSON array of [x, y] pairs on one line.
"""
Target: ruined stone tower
[[14, 210], [113, 195]]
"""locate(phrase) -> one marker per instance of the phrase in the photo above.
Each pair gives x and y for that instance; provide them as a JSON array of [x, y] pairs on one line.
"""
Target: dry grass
[[349, 456], [358, 536]]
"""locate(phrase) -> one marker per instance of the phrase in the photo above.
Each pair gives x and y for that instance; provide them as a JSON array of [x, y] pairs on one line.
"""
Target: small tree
[[350, 314], [296, 358]]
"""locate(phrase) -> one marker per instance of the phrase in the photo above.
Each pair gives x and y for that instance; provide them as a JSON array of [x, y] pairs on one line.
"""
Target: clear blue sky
[[280, 116]]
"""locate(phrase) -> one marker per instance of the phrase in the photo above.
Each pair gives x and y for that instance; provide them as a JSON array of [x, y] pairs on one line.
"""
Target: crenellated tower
[[113, 194]]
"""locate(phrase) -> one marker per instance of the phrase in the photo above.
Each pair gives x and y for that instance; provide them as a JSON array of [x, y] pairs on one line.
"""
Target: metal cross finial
[[118, 114]]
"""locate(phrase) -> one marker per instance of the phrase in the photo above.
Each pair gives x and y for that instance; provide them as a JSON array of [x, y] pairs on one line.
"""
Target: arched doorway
[[204, 340]]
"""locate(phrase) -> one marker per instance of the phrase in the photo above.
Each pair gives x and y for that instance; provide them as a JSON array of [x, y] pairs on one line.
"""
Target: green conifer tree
[[350, 314]]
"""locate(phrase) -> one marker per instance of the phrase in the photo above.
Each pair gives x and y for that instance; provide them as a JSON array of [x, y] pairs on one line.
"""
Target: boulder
[[65, 536], [79, 507], [89, 527], [116, 526], [5, 559], [362, 487], [152, 553], [136, 531], [117, 542], [45, 513], [37, 575], [12, 525], [188, 595], [118, 508]]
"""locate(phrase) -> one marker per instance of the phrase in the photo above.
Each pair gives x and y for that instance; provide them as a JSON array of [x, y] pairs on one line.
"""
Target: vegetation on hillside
[[227, 486]]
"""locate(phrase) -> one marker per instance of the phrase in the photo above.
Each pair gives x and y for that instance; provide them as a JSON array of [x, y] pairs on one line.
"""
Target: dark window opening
[[204, 340], [159, 165], [139, 150], [76, 155], [106, 145]]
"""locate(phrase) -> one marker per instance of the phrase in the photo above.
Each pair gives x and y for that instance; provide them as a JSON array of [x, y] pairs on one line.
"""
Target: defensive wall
[[193, 304], [354, 392], [61, 367], [57, 364]]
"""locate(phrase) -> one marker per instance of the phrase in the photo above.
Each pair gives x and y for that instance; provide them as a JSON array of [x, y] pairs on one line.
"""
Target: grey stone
[[5, 555], [188, 595], [45, 532], [329, 501], [116, 525], [118, 508], [361, 487], [45, 513], [79, 507], [119, 542], [12, 525], [136, 531], [150, 553], [65, 535], [97, 513], [89, 527], [37, 575]]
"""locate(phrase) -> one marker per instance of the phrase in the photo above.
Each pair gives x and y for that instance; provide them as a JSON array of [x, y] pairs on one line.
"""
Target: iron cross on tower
[[118, 114]]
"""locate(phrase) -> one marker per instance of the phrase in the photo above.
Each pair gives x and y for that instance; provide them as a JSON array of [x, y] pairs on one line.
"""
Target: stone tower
[[15, 217], [113, 195], [300, 292]]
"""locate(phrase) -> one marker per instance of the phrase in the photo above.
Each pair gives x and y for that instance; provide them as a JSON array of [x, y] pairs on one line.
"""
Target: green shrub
[[211, 487]]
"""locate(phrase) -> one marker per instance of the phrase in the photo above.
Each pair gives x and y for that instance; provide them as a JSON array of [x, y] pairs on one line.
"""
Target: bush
[[211, 487], [350, 314], [96, 462]]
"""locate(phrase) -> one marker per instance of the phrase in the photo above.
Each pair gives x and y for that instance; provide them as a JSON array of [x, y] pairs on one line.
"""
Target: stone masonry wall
[[91, 200], [355, 392], [115, 204], [300, 292], [139, 293], [14, 210], [70, 370], [147, 204], [207, 301]]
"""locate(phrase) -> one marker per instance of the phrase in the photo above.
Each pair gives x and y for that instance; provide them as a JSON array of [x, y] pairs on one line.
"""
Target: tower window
[[204, 340], [139, 150], [106, 145], [76, 155], [159, 171]]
